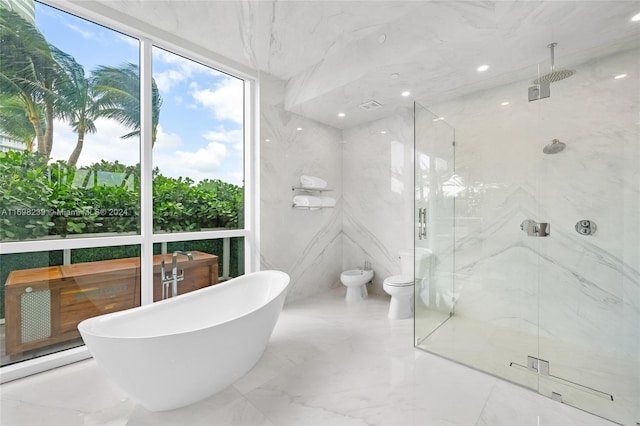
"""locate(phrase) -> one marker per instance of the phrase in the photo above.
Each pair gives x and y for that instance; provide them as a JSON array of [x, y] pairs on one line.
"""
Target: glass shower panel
[[435, 188], [589, 278], [546, 248], [494, 323]]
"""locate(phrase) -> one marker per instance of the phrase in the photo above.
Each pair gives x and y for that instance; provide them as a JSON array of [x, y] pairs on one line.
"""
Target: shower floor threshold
[[494, 349]]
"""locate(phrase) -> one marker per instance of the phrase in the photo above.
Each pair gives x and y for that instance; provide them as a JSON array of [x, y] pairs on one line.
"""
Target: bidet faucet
[[175, 277]]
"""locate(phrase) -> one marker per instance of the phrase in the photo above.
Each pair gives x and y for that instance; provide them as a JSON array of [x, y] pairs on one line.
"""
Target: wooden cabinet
[[44, 306]]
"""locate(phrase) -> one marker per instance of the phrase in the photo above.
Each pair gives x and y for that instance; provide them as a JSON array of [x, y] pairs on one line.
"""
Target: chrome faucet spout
[[164, 280], [174, 270]]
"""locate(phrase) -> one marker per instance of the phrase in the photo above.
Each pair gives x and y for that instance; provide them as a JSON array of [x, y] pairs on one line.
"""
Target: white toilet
[[356, 282], [401, 287]]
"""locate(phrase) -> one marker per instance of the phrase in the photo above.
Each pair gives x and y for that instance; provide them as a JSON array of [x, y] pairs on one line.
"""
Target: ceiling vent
[[370, 105]]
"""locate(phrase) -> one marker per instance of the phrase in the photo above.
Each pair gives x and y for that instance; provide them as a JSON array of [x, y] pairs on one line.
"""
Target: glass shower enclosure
[[528, 199], [435, 190]]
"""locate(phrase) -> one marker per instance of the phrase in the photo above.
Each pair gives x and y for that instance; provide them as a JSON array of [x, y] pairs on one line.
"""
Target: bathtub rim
[[184, 297]]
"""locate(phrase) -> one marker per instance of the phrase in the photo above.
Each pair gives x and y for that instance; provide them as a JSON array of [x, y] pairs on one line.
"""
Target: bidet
[[355, 280]]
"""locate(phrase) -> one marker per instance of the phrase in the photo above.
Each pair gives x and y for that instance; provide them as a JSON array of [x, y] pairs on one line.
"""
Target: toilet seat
[[399, 281]]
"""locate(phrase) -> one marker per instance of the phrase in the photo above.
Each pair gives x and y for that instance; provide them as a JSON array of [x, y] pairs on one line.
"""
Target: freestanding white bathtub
[[178, 351]]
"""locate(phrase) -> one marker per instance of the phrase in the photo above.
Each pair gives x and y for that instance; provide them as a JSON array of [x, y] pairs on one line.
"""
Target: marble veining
[[578, 294], [377, 192], [326, 57], [306, 244], [332, 57], [317, 370]]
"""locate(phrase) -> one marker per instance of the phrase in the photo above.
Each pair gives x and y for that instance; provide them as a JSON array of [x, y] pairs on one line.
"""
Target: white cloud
[[106, 144], [85, 34], [166, 141], [167, 79], [235, 178], [181, 69], [234, 138], [226, 100], [204, 163], [205, 159], [209, 162]]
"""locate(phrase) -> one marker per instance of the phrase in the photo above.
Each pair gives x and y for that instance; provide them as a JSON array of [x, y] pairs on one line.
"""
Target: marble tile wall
[[583, 291], [372, 176], [305, 244], [580, 291], [589, 285], [378, 194]]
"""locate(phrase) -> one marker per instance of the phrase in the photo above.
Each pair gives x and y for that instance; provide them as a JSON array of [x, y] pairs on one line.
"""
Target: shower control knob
[[585, 227], [535, 229]]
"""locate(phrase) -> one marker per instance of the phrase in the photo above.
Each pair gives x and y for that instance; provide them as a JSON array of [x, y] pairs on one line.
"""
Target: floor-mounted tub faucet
[[174, 277]]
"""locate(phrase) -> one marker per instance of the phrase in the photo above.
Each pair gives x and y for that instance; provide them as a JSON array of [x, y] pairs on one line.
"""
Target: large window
[[198, 146], [70, 100], [106, 170]]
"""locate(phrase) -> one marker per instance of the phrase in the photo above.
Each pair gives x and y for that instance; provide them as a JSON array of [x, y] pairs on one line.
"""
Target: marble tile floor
[[328, 363], [585, 377]]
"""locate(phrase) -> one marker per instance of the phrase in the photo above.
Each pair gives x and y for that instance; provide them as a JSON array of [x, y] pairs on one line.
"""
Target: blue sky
[[200, 131]]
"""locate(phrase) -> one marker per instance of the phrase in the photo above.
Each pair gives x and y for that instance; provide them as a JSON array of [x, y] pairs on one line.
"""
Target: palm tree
[[28, 73], [14, 123], [76, 102], [118, 91]]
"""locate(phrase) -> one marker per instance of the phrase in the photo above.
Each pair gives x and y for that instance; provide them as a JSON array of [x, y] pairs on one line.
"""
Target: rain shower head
[[554, 75], [554, 147]]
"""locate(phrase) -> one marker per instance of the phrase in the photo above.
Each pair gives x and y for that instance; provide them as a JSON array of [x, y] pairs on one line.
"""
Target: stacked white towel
[[307, 201], [312, 182], [328, 201]]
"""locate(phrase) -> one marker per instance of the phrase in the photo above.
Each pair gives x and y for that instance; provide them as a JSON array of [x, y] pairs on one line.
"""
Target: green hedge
[[40, 199]]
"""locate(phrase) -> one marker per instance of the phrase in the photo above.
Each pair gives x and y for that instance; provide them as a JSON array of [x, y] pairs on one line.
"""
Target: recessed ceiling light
[[636, 17], [438, 119], [405, 93], [505, 103], [619, 76], [395, 75], [384, 132], [341, 114], [382, 38], [267, 140], [483, 68], [299, 128]]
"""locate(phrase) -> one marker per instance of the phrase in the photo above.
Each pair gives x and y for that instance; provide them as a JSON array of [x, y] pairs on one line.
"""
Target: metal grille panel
[[36, 315]]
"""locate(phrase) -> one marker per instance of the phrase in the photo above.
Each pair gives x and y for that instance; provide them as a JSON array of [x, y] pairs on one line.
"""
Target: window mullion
[[146, 168], [252, 177]]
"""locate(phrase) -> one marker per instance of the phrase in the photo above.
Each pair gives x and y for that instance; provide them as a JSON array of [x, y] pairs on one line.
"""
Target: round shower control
[[585, 227]]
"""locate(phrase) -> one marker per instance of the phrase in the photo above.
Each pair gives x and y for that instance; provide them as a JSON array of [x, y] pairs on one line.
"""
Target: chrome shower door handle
[[422, 223]]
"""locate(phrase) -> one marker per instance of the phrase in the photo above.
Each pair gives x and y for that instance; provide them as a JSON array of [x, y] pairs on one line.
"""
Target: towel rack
[[295, 206], [305, 189]]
